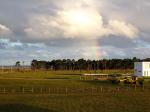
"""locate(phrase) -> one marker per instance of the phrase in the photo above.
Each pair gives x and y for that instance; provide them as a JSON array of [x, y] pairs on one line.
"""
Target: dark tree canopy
[[82, 64], [18, 64]]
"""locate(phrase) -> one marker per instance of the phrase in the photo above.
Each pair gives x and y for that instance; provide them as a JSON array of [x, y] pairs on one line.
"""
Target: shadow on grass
[[22, 108]]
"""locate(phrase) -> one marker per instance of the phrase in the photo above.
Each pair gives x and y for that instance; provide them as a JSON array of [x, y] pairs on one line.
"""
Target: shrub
[[140, 81], [114, 80]]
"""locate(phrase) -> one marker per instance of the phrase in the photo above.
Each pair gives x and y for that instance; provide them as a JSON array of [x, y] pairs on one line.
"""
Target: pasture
[[81, 95]]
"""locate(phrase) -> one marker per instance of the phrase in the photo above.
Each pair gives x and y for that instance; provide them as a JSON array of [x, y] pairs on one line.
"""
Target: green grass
[[49, 78], [128, 101], [45, 74], [123, 102]]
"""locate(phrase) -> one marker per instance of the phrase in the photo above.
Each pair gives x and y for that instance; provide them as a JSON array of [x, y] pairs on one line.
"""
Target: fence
[[72, 91]]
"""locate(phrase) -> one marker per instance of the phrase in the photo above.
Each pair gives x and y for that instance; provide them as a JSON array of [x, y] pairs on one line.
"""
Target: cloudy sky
[[90, 29]]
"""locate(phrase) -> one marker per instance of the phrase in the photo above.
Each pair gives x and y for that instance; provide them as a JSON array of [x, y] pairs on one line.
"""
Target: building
[[93, 76], [142, 69]]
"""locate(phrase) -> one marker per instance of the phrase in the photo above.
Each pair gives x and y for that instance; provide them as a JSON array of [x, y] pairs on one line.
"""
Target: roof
[[95, 74]]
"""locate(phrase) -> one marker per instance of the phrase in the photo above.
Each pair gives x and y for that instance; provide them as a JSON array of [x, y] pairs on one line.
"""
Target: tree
[[18, 65], [34, 64], [82, 64]]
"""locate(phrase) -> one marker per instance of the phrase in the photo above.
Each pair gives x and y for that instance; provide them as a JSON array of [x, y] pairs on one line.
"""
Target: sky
[[73, 29]]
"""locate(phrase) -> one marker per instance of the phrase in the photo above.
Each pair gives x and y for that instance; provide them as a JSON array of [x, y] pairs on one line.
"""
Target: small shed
[[142, 69], [93, 76]]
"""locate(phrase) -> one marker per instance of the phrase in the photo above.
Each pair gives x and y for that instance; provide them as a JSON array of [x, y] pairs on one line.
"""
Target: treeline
[[82, 64]]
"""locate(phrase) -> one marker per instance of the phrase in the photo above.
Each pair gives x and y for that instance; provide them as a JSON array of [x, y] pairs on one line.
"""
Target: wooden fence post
[[135, 88], [32, 90], [4, 90], [80, 77], [118, 89], [23, 90], [41, 90], [143, 87], [49, 90], [66, 91], [101, 89]]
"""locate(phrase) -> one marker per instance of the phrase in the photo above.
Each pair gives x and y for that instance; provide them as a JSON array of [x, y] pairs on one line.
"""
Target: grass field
[[122, 101]]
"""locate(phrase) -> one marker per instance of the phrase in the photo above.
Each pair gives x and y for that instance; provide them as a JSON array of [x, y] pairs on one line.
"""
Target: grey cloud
[[118, 42], [113, 52]]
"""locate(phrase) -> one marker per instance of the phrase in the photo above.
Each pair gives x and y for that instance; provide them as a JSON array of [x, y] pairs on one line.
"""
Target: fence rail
[[72, 91]]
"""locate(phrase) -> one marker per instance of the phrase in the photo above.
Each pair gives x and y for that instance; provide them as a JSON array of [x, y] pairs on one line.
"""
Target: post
[[41, 90], [92, 77], [49, 90], [23, 90], [80, 77], [101, 89], [135, 87], [4, 90], [118, 89], [66, 91], [32, 90], [143, 87]]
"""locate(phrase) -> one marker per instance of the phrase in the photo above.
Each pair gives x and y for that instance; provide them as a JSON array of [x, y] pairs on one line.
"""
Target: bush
[[140, 81], [114, 80]]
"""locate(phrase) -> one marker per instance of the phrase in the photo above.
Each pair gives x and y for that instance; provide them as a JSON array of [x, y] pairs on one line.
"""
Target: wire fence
[[72, 91]]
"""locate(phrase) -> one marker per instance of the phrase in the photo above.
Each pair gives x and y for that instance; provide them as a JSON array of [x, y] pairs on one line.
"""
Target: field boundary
[[71, 90]]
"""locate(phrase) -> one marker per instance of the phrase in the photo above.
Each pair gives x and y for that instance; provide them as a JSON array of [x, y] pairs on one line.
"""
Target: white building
[[142, 69]]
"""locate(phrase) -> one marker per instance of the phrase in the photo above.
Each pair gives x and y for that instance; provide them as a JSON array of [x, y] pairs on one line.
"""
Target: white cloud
[[4, 30], [78, 21], [43, 27], [121, 28]]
